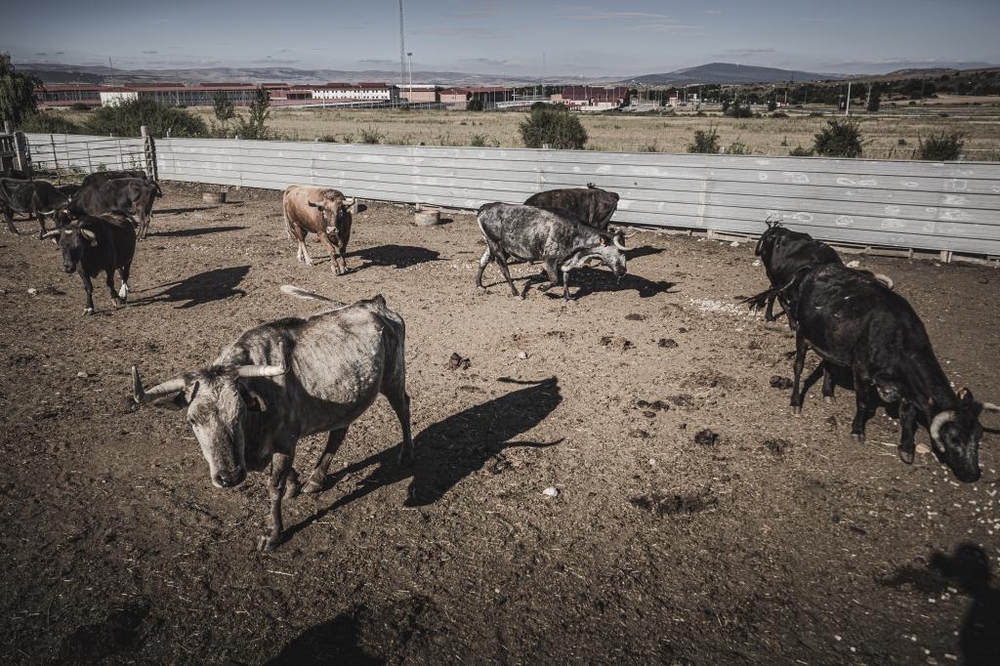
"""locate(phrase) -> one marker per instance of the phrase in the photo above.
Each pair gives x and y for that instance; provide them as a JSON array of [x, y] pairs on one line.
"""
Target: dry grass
[[892, 133]]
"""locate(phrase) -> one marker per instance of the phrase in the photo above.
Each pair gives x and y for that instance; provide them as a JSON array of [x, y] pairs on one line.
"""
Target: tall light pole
[[409, 71]]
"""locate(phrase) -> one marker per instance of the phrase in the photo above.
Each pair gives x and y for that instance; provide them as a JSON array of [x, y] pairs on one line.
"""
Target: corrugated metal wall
[[922, 205]]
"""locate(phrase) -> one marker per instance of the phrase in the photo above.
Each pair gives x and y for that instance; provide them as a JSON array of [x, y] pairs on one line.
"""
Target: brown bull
[[324, 212]]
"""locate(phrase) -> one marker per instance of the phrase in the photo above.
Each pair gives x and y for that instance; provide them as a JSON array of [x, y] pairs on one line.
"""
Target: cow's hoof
[[829, 399], [906, 456], [292, 489], [267, 543], [796, 410], [118, 302], [312, 487], [859, 436], [88, 311]]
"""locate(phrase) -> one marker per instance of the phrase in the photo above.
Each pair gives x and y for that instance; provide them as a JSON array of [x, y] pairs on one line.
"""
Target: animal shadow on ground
[[397, 256], [980, 633], [585, 280], [843, 380], [195, 231], [449, 450], [332, 642], [213, 285], [113, 640], [181, 211]]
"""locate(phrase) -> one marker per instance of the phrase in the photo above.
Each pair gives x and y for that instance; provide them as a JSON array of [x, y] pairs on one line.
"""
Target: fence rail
[[950, 206]]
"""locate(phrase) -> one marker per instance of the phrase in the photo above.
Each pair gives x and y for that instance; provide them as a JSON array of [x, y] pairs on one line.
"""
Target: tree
[[255, 125], [839, 139], [223, 106], [126, 119], [18, 92], [553, 125], [874, 92]]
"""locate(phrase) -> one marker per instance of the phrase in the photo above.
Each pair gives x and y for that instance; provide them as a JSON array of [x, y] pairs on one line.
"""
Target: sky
[[511, 38]]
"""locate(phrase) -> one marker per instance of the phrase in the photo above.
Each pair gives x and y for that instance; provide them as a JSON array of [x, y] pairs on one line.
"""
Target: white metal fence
[[952, 206], [86, 154]]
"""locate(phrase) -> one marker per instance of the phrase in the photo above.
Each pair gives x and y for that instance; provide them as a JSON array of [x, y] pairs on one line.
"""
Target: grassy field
[[892, 133]]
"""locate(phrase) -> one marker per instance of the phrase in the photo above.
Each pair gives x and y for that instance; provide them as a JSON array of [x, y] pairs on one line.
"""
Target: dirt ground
[[770, 539]]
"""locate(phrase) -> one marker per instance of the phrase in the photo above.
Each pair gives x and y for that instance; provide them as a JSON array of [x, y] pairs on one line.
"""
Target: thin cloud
[[376, 61], [151, 52], [60, 53], [579, 13], [42, 54], [665, 27], [712, 12], [744, 53], [477, 32], [275, 61], [491, 62]]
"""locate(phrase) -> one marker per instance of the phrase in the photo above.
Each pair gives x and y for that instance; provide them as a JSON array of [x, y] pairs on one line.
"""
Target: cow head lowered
[[217, 403], [956, 433], [611, 251]]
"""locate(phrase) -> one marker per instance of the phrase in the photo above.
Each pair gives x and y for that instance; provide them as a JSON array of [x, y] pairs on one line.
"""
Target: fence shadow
[[332, 642], [980, 633], [193, 231], [213, 285], [450, 450]]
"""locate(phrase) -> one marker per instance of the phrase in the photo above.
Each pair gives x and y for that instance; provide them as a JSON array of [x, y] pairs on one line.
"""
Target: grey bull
[[556, 238], [285, 380]]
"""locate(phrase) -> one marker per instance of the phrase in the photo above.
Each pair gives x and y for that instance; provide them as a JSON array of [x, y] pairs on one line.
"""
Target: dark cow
[[98, 177], [591, 205], [93, 244], [784, 252], [558, 239], [36, 198], [324, 212], [851, 319], [134, 196], [288, 379]]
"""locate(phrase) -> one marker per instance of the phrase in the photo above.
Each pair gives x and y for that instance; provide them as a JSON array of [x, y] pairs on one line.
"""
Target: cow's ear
[[965, 396]]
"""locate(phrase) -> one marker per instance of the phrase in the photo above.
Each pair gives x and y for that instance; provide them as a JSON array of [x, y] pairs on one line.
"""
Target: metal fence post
[[55, 157], [149, 151]]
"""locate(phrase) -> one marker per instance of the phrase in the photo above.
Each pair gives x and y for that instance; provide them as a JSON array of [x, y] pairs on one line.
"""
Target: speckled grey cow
[[285, 380], [557, 239]]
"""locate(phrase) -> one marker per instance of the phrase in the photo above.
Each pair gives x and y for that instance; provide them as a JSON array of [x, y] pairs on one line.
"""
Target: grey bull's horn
[[141, 396], [990, 407], [619, 239], [51, 234], [260, 370]]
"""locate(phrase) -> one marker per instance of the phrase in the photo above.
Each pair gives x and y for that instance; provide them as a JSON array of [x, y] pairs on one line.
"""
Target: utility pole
[[402, 47], [847, 107], [409, 71]]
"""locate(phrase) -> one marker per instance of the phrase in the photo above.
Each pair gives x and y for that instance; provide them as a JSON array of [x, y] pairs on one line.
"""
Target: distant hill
[[59, 73], [730, 73]]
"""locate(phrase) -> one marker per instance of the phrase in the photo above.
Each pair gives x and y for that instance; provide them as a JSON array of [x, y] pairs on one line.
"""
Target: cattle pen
[[943, 207], [617, 478]]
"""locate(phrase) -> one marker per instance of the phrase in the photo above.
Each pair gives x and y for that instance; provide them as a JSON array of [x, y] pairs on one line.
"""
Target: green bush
[[80, 106], [839, 139], [941, 147], [799, 151], [737, 110], [739, 148], [254, 126], [477, 140], [705, 141], [126, 118], [49, 123], [553, 125]]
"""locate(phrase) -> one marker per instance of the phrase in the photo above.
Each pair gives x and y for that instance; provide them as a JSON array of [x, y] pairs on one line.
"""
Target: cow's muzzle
[[230, 478]]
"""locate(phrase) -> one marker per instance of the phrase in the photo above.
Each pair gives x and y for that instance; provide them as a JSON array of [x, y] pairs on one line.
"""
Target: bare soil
[[696, 520]]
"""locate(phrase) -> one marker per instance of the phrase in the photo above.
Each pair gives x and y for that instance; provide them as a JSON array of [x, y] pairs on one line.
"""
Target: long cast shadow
[[332, 642], [214, 285], [450, 450], [588, 280], [194, 231], [397, 256], [188, 209], [980, 634]]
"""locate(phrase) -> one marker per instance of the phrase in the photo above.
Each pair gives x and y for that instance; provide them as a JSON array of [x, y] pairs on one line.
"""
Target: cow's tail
[[298, 292], [758, 301], [288, 223]]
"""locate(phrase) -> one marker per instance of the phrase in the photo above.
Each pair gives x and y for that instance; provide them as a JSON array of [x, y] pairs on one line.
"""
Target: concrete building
[[419, 93], [593, 98], [361, 92]]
